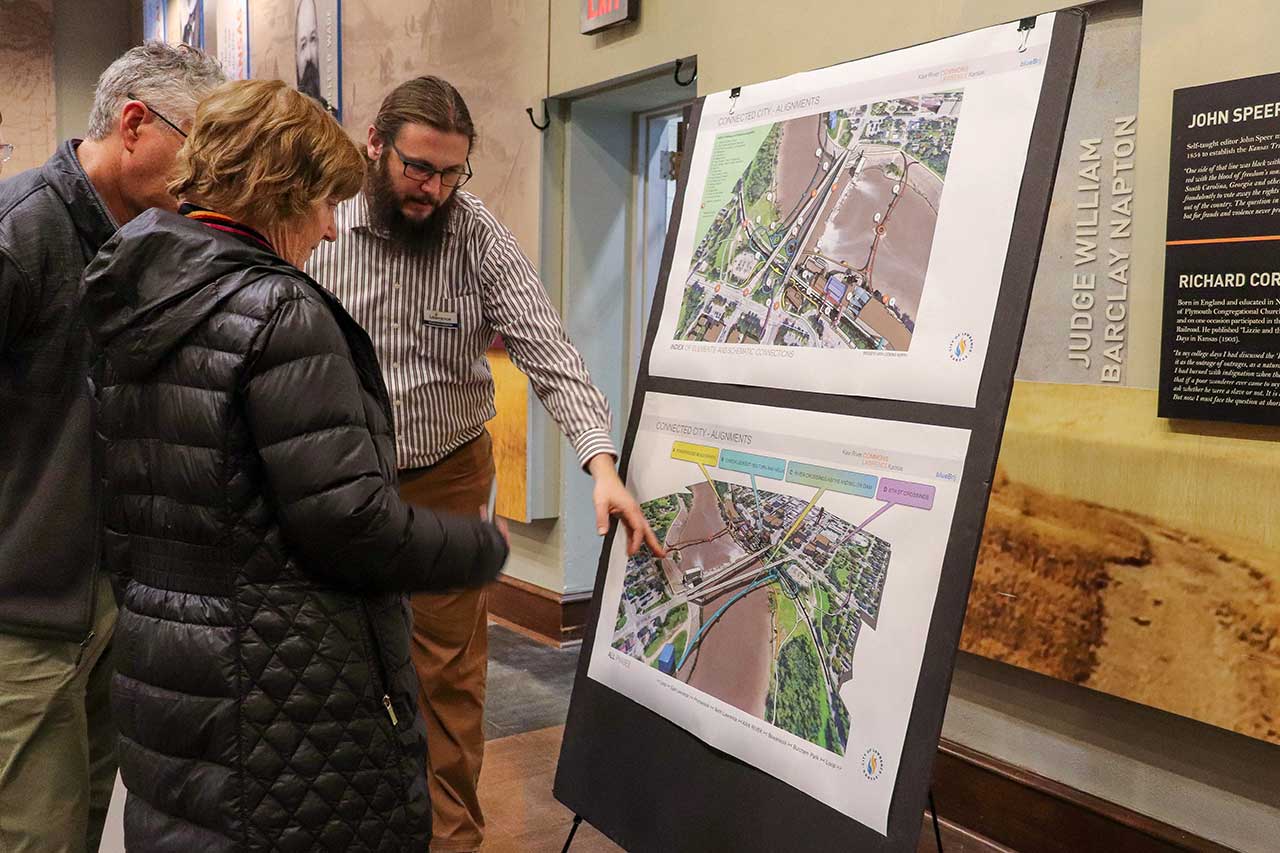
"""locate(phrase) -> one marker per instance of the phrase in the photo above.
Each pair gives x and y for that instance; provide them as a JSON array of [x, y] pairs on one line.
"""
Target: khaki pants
[[57, 743], [451, 654]]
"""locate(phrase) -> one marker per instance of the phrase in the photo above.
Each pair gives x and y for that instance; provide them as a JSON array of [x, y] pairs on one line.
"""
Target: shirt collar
[[67, 177]]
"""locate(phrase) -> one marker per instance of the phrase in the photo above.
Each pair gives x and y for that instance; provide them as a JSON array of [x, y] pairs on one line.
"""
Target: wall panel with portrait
[[317, 44]]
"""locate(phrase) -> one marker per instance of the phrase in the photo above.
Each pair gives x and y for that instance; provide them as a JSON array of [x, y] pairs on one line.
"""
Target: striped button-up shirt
[[432, 316]]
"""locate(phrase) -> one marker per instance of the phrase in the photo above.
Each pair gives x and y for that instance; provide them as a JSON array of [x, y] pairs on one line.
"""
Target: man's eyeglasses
[[416, 170], [177, 129], [6, 151]]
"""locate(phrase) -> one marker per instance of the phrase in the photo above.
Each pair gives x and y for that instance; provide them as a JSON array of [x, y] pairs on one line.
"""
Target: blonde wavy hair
[[263, 153]]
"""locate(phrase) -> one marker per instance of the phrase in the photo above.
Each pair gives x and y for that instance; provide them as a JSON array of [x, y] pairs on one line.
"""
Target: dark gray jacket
[[264, 693], [52, 223]]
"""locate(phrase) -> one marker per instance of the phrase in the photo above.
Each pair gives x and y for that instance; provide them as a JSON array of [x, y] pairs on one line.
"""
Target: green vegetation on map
[[821, 608], [681, 640], [786, 614], [689, 307], [675, 618], [660, 514], [839, 568], [622, 620], [801, 703], [762, 213], [730, 156], [760, 174], [763, 292]]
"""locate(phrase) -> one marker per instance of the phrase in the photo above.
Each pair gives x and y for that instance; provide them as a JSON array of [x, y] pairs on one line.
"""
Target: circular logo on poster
[[961, 347], [872, 764]]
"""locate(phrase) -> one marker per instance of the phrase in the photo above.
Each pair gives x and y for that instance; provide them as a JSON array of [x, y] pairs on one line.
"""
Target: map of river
[[758, 602], [817, 231]]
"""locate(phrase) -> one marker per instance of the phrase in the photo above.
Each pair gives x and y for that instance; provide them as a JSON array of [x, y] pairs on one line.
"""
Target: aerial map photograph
[[759, 602], [826, 237]]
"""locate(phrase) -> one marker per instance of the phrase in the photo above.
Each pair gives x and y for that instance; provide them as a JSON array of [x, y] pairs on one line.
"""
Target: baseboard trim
[[555, 619], [1030, 813]]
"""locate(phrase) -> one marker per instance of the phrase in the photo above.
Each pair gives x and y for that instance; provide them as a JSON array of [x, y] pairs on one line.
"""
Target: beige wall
[[28, 100], [51, 54], [494, 51], [740, 42]]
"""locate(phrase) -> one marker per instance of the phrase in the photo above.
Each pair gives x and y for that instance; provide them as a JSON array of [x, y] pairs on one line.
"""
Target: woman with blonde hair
[[264, 697]]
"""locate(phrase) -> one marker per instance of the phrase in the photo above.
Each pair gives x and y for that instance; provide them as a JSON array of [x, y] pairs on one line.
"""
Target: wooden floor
[[523, 817], [515, 788]]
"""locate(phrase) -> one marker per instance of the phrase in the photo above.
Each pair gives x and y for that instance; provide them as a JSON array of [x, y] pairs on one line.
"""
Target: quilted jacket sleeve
[[346, 523]]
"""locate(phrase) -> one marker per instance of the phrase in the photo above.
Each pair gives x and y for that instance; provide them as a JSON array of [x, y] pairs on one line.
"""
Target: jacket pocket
[[378, 669]]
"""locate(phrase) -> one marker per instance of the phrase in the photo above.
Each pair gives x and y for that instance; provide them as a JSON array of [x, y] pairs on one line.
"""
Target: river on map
[[734, 658]]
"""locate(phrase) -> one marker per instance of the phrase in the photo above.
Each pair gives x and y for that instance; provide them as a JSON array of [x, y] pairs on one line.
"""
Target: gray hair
[[171, 79]]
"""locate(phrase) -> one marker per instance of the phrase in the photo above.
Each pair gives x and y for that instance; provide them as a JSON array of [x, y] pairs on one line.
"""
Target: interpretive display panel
[[787, 622], [1220, 355], [845, 230]]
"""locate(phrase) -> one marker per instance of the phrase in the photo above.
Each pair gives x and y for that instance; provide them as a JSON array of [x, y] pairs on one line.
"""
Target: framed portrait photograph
[[317, 46]]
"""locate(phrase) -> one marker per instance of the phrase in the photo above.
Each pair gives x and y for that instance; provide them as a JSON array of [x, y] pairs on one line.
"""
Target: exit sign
[[598, 15]]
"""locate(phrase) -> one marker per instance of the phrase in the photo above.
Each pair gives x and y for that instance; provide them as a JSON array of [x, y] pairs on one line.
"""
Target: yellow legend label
[[698, 453]]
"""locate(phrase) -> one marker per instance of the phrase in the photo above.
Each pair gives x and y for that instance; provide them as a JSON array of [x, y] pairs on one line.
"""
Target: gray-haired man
[[57, 755]]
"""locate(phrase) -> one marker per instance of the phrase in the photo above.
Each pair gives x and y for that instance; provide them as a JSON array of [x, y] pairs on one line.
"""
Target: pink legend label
[[916, 495]]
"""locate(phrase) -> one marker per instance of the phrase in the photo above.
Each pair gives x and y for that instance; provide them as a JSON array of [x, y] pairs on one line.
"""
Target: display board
[[819, 474], [1220, 351]]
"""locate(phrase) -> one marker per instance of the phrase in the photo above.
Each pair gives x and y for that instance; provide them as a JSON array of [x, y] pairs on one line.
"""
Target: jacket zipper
[[84, 644], [367, 627]]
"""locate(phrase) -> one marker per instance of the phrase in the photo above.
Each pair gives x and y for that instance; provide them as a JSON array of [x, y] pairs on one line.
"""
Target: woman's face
[[307, 232]]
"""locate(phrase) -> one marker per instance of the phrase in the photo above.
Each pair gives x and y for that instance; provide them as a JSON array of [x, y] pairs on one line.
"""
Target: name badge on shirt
[[441, 319]]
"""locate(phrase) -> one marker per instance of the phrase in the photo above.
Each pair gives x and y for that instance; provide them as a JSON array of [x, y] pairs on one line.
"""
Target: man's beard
[[423, 236], [309, 81]]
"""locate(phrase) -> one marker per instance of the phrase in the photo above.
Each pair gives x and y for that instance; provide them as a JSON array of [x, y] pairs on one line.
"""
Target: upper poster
[[847, 228], [787, 623]]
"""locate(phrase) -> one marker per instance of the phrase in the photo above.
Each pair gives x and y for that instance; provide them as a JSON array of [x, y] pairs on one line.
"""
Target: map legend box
[[915, 495], [846, 482], [750, 463], [696, 453]]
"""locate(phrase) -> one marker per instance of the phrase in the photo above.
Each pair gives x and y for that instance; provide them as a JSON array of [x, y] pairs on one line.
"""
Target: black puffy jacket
[[265, 697]]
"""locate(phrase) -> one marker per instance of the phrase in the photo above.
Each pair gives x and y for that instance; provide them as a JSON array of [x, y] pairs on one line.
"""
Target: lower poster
[[787, 623]]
